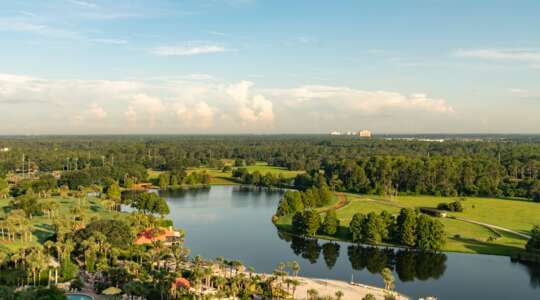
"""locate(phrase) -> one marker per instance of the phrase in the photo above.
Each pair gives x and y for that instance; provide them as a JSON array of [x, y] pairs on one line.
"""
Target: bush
[[369, 297], [455, 206], [76, 285]]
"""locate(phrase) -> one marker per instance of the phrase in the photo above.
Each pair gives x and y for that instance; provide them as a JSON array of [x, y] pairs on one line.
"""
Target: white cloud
[[250, 108], [97, 111], [144, 106], [522, 55], [201, 115], [131, 115], [350, 100], [191, 48], [93, 113], [189, 104]]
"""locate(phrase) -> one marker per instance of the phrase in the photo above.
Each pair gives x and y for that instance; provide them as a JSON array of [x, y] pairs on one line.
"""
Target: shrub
[[453, 206]]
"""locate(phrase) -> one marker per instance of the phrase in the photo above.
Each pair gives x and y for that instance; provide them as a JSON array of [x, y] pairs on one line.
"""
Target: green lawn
[[217, 177], [264, 168], [518, 215]]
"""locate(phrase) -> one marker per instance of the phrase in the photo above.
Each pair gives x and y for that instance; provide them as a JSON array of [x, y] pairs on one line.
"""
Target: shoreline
[[323, 237], [329, 287]]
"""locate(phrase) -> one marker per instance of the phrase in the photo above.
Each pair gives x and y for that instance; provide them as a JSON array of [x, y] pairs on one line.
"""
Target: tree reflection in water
[[408, 264]]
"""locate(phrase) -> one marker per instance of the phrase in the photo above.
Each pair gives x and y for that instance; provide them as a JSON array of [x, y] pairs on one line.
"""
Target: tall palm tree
[[37, 262], [294, 283], [207, 273], [312, 294], [295, 267]]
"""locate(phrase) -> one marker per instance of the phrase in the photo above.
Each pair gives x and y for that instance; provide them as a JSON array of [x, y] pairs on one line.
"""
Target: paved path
[[468, 221], [493, 227]]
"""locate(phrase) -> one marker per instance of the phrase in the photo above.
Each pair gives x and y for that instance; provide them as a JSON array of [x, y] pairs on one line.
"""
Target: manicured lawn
[[462, 236], [264, 168], [217, 177], [518, 215]]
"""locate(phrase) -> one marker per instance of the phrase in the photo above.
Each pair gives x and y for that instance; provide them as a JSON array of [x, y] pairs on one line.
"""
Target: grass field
[[218, 177], [518, 215], [42, 225]]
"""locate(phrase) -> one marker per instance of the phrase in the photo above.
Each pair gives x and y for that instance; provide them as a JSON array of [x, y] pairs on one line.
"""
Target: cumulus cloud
[[359, 101], [250, 108], [94, 112], [201, 115], [146, 107], [97, 111], [200, 104]]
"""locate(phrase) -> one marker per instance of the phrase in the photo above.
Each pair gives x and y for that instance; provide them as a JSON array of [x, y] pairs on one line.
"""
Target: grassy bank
[[518, 215], [218, 177]]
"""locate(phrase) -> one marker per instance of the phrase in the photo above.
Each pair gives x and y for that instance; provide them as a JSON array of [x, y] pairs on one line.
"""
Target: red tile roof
[[150, 235]]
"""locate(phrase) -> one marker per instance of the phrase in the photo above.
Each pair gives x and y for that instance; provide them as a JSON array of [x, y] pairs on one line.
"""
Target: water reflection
[[534, 273], [409, 265]]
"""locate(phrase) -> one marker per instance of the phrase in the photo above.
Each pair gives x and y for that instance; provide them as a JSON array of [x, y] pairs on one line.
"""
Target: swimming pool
[[79, 297]]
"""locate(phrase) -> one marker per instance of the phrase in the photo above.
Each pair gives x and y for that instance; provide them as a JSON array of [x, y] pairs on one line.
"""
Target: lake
[[236, 223]]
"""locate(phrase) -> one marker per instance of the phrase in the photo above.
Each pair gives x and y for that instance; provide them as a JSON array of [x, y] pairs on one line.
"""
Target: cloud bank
[[196, 104]]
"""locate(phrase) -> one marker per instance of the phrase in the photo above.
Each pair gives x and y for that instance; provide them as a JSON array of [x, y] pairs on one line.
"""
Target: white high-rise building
[[364, 133]]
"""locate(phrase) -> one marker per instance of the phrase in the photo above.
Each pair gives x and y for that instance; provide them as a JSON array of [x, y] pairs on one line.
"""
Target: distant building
[[335, 133], [364, 133], [5, 149]]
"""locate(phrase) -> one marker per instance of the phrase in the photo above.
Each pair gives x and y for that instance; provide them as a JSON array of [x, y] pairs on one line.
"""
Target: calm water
[[236, 224]]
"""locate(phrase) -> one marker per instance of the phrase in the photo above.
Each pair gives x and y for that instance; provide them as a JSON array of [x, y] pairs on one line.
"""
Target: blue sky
[[254, 66]]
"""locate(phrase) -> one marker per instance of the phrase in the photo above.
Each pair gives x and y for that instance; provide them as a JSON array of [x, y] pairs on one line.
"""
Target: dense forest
[[491, 166]]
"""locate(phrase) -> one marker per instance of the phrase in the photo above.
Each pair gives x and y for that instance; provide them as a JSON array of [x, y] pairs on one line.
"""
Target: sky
[[269, 66]]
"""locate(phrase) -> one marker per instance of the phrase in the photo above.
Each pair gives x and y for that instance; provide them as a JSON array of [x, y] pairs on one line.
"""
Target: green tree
[[535, 191], [533, 244], [355, 227], [373, 229], [369, 297], [406, 227], [430, 235], [114, 193], [164, 180], [312, 222], [4, 188], [331, 223], [151, 203], [298, 224]]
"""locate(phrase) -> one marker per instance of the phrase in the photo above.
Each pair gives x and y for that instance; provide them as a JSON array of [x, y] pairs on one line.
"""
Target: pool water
[[79, 297]]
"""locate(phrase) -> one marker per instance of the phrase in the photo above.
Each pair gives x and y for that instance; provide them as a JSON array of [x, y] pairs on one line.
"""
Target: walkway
[[493, 227]]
